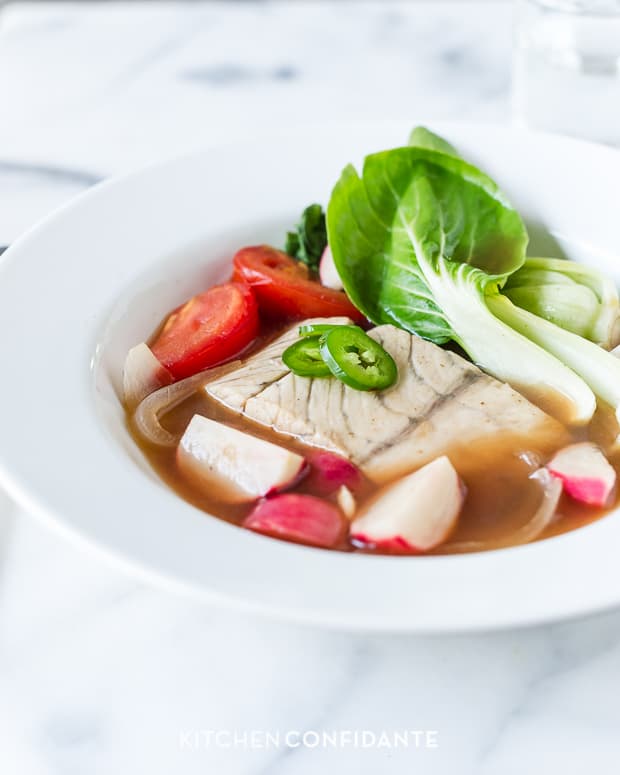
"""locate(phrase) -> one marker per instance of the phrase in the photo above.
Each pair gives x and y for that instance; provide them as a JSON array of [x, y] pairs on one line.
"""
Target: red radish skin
[[593, 492], [413, 514], [329, 471], [301, 475], [301, 518], [585, 472], [395, 545]]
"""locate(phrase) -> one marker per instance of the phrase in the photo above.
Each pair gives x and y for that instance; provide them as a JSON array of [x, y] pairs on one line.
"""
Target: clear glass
[[567, 67]]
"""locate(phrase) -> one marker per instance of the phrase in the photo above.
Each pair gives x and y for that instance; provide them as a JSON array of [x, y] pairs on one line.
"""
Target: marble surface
[[99, 673]]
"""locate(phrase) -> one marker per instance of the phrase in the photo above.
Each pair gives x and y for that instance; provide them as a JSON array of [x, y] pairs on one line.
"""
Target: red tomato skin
[[283, 288], [209, 329]]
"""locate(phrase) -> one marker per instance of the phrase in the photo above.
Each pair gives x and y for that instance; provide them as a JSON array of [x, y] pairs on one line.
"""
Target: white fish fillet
[[440, 402]]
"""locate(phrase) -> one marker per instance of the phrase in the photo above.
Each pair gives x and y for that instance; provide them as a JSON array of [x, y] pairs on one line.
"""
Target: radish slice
[[142, 375], [330, 471], [416, 513], [346, 501], [585, 473], [328, 274], [301, 518], [233, 465]]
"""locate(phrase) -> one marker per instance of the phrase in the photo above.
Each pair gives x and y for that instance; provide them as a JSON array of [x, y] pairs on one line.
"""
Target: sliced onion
[[143, 374], [552, 489], [147, 416]]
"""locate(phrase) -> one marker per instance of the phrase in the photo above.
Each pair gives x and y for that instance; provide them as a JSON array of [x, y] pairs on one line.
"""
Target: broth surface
[[500, 496]]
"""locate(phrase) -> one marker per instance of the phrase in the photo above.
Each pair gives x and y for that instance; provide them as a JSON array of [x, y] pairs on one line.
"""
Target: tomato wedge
[[283, 288], [208, 329]]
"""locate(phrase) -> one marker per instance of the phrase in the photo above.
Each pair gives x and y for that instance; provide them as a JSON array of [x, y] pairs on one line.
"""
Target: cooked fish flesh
[[441, 403]]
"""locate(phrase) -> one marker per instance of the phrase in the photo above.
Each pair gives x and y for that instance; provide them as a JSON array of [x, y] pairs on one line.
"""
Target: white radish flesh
[[233, 465], [585, 472], [416, 513], [328, 274], [143, 374], [346, 501]]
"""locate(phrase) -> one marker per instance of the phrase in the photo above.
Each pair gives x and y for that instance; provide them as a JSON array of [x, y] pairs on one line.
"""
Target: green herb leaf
[[309, 239]]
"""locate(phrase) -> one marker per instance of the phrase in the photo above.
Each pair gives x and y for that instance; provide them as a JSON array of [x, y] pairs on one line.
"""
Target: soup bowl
[[97, 276]]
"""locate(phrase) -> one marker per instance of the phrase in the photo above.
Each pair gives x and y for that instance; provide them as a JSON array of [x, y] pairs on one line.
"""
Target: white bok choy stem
[[605, 329], [147, 416], [496, 347], [575, 297], [596, 366]]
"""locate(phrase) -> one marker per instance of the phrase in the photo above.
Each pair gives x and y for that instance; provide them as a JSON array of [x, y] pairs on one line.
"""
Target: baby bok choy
[[597, 367], [571, 295], [422, 239]]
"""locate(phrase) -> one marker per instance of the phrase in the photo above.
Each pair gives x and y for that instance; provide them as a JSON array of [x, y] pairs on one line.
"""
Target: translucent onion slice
[[532, 529], [143, 374], [146, 418]]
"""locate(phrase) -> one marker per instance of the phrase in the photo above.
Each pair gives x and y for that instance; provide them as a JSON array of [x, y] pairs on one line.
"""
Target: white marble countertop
[[101, 674]]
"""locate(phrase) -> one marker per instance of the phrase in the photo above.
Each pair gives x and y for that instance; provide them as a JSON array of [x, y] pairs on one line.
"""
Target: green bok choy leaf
[[421, 239], [421, 137]]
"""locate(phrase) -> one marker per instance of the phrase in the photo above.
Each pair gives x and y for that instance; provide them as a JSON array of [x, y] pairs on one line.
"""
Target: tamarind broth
[[500, 498]]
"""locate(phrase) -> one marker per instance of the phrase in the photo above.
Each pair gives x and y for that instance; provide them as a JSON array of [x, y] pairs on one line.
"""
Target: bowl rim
[[493, 592]]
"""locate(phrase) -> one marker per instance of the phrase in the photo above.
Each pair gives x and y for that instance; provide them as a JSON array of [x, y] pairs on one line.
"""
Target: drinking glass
[[567, 67]]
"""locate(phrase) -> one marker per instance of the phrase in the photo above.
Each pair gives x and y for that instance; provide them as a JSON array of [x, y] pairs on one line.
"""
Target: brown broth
[[500, 495]]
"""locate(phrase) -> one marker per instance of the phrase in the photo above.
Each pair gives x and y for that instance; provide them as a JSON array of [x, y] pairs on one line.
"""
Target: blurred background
[[98, 673], [91, 89]]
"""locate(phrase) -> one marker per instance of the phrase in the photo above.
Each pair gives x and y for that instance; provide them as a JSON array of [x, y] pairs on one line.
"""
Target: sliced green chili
[[356, 359], [314, 329], [304, 358]]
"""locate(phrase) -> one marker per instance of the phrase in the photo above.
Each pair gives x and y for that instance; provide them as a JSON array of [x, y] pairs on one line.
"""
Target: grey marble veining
[[99, 673], [107, 89]]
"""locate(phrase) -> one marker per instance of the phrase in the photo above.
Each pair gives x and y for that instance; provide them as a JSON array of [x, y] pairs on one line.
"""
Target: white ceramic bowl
[[95, 278]]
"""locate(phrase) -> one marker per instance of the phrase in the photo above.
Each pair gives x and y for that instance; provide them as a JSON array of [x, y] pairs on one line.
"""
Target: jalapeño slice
[[356, 359], [314, 329], [304, 358]]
